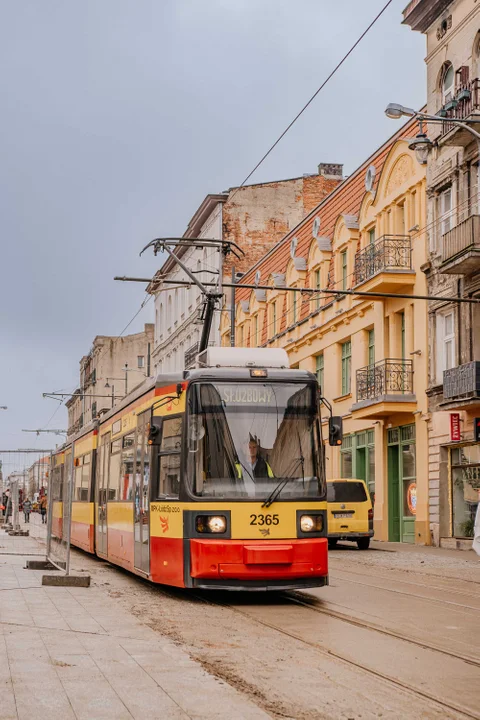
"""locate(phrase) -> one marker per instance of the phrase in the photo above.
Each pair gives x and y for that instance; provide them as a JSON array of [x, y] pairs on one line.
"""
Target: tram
[[211, 478]]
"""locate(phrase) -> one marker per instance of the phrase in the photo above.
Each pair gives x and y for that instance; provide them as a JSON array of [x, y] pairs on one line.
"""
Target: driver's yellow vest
[[240, 470]]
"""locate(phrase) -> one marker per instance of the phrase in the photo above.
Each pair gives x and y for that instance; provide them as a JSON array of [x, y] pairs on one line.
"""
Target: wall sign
[[455, 427], [412, 498]]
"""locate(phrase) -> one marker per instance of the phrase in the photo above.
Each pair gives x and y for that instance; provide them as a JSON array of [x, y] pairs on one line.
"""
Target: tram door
[[142, 497], [101, 505]]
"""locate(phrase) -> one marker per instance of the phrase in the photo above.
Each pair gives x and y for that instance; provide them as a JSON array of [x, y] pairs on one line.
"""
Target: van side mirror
[[335, 430]]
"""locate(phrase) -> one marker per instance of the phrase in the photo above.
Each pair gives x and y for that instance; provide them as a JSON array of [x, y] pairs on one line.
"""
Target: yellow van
[[350, 512]]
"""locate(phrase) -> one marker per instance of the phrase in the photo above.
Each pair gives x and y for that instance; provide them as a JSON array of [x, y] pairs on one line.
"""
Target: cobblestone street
[[392, 636]]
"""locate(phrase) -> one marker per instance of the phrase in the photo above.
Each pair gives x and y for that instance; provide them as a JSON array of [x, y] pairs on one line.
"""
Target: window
[[114, 472], [346, 366], [371, 347], [240, 336], [319, 370], [255, 331], [448, 84], [94, 410], [401, 219], [128, 458], [445, 344], [445, 210], [357, 458], [294, 306], [414, 208], [346, 492], [169, 458], [343, 259], [371, 236], [141, 361], [274, 318]]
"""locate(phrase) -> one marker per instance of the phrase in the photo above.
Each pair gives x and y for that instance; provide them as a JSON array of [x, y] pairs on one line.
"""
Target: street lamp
[[422, 144]]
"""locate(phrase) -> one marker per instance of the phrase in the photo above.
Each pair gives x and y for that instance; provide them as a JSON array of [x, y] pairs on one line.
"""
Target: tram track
[[329, 652]]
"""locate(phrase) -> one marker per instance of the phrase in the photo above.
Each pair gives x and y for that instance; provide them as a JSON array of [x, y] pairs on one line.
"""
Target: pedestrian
[[43, 508], [27, 509]]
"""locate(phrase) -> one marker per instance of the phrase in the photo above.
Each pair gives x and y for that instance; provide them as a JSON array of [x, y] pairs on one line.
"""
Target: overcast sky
[[119, 116]]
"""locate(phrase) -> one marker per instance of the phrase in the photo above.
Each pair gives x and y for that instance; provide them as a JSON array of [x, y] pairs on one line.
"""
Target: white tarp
[[476, 532]]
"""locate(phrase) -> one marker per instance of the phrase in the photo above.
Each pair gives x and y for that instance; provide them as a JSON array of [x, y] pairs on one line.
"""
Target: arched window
[[176, 309], [161, 322], [169, 312], [448, 83]]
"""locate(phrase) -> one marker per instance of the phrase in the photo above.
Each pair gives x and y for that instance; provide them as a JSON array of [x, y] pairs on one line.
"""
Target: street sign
[[455, 427]]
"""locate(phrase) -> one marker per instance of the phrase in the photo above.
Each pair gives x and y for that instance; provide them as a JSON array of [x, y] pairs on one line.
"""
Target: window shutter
[[461, 77]]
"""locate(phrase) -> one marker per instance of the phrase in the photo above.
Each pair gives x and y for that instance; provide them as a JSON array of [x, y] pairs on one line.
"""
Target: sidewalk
[[70, 653]]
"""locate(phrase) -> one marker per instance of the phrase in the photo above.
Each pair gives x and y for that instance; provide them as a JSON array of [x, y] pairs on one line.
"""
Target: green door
[[393, 494], [402, 488]]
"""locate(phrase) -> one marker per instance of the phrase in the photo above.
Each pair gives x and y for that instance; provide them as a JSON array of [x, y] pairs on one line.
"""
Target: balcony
[[461, 386], [385, 265], [461, 248], [384, 388], [464, 106]]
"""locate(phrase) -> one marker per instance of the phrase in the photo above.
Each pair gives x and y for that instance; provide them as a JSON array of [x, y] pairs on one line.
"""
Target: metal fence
[[59, 516], [389, 253], [385, 377]]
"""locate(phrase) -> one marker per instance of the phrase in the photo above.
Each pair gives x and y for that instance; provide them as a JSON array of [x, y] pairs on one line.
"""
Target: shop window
[[357, 458], [465, 465], [346, 367], [346, 457]]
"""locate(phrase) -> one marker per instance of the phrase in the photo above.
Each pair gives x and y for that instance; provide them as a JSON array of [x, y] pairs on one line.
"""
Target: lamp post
[[422, 144]]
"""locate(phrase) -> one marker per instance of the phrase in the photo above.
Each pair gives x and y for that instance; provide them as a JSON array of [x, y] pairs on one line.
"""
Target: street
[[393, 636]]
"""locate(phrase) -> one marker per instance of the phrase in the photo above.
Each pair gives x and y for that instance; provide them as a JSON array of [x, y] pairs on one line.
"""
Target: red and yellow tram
[[210, 478]]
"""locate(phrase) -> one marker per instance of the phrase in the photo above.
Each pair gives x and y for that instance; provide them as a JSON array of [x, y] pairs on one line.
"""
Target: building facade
[[452, 32], [255, 217], [38, 475], [112, 368], [369, 354]]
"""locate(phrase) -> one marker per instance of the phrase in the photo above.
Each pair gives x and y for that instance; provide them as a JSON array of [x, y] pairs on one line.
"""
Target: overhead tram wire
[[309, 102], [145, 302]]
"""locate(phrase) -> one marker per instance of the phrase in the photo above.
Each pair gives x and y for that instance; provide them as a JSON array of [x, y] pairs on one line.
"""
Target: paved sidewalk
[[70, 653]]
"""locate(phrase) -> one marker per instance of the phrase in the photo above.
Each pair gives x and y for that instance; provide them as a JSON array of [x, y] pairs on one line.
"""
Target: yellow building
[[369, 354]]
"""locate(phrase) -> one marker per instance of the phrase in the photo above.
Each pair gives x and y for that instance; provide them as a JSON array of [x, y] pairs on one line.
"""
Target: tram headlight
[[216, 524], [311, 523]]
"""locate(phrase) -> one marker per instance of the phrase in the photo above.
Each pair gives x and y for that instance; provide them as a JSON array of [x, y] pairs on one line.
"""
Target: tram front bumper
[[278, 562]]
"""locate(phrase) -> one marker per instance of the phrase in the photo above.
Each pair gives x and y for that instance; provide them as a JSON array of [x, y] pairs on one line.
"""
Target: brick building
[[255, 217]]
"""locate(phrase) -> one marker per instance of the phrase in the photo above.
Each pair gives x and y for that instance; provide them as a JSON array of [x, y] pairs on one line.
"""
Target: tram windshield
[[245, 439]]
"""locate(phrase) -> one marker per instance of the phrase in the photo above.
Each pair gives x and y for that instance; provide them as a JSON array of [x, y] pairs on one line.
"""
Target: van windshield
[[345, 492]]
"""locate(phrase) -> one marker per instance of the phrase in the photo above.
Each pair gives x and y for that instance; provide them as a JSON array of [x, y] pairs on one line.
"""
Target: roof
[[420, 14], [345, 199]]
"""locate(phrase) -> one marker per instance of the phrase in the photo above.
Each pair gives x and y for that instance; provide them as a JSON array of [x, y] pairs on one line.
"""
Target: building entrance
[[402, 484]]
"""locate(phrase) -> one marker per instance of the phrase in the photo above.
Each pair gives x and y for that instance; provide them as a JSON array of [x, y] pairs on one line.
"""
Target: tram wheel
[[363, 543]]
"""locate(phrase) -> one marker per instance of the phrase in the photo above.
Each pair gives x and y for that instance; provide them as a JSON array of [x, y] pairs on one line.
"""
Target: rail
[[464, 235], [385, 377], [389, 253]]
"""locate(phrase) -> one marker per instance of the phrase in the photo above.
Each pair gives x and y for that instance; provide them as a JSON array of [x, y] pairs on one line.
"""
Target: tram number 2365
[[264, 520]]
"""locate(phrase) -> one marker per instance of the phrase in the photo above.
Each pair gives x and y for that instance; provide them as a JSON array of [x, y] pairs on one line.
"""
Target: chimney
[[331, 171]]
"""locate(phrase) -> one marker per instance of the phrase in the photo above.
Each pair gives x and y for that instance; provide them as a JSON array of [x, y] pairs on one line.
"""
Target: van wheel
[[332, 543], [363, 543]]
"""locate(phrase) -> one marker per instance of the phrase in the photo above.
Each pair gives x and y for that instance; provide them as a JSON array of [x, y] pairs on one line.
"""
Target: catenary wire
[[312, 98]]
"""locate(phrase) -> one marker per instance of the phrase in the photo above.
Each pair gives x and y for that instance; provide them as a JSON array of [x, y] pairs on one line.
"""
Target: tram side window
[[169, 458], [82, 478], [114, 473], [126, 477]]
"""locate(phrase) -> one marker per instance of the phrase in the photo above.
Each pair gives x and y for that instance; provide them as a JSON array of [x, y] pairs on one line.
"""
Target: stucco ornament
[[400, 173]]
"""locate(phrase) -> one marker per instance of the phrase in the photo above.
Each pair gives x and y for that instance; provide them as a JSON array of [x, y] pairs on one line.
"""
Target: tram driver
[[255, 468]]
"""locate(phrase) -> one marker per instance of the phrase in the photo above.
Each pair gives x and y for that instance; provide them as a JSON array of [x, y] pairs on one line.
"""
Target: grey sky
[[118, 116]]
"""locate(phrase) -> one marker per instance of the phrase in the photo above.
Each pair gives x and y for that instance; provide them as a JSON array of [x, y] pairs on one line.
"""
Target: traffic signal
[[335, 430], [476, 429]]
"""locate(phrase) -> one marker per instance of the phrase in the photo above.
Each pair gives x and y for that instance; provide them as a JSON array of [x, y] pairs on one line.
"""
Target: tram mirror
[[335, 430], [154, 431]]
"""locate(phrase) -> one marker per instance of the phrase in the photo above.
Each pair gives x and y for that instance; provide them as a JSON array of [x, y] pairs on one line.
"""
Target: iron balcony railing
[[462, 381], [465, 103], [463, 236], [385, 377], [389, 253]]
